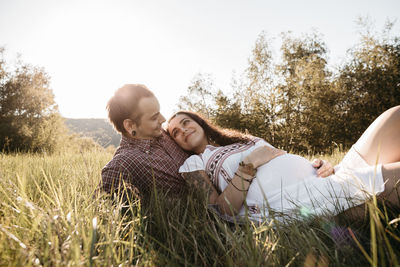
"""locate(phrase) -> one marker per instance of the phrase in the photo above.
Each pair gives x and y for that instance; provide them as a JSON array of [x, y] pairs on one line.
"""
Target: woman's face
[[187, 133]]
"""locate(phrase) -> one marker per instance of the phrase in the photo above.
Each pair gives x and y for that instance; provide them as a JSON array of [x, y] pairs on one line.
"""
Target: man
[[147, 157]]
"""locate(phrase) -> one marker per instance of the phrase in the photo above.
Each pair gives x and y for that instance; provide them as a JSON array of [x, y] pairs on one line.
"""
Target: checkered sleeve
[[115, 178], [142, 165]]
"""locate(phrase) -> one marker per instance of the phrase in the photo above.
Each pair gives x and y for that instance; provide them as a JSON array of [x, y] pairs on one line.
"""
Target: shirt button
[[147, 152]]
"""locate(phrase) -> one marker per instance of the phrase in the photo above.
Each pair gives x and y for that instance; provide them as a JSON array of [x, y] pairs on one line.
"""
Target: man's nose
[[162, 118]]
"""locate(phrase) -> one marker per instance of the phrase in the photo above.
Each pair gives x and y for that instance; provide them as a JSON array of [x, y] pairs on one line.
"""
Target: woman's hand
[[262, 155], [324, 168]]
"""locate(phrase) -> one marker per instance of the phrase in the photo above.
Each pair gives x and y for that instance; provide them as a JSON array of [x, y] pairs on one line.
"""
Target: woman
[[232, 167]]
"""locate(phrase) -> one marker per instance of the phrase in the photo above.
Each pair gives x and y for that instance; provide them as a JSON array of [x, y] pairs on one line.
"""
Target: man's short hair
[[124, 104]]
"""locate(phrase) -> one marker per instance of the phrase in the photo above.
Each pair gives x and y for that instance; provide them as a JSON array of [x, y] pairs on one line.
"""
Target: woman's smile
[[187, 133]]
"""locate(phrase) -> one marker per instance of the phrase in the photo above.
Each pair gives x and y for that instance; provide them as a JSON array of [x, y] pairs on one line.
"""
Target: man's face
[[149, 126]]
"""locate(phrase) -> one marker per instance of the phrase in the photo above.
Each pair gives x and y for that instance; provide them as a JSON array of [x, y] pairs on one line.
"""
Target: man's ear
[[129, 126]]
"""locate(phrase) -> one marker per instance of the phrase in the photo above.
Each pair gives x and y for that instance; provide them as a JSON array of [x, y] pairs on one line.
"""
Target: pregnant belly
[[281, 177], [290, 167]]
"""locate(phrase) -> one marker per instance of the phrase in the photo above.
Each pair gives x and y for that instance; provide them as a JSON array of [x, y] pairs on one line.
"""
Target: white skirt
[[363, 179]]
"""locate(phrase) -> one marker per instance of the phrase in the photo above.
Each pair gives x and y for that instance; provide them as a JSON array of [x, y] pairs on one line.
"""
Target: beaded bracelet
[[241, 190], [247, 180]]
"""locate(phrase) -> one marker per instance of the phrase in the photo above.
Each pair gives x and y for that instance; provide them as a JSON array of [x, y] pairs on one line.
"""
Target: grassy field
[[49, 217]]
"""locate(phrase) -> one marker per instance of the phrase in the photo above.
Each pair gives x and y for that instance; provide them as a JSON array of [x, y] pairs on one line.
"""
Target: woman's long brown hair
[[214, 133]]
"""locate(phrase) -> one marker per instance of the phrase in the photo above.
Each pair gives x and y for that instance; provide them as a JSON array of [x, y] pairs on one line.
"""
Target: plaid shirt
[[140, 163]]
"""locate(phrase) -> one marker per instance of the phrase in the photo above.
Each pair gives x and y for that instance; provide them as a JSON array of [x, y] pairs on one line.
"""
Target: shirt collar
[[142, 144]]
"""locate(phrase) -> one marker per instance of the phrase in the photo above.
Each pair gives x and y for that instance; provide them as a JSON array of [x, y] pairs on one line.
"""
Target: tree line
[[29, 116], [298, 102]]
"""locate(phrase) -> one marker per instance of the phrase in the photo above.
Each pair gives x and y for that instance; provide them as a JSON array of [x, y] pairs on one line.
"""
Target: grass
[[48, 217]]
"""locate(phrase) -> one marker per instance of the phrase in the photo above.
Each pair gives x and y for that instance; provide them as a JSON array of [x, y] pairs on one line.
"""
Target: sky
[[91, 48]]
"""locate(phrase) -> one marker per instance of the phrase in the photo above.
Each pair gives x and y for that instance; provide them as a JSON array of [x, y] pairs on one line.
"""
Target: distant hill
[[100, 130]]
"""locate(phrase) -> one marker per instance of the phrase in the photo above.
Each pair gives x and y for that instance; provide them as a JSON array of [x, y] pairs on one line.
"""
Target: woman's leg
[[380, 143], [391, 175]]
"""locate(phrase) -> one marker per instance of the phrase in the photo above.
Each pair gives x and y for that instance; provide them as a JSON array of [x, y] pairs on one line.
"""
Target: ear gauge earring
[[133, 133]]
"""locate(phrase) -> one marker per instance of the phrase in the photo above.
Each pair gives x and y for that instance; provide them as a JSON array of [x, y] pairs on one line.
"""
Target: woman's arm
[[231, 199]]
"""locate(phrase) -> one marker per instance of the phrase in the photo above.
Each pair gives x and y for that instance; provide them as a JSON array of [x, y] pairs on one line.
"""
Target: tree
[[200, 95], [304, 94], [258, 93], [369, 83], [227, 113], [299, 104], [29, 117]]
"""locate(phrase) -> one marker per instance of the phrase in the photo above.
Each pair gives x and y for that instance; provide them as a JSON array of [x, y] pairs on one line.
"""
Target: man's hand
[[324, 168]]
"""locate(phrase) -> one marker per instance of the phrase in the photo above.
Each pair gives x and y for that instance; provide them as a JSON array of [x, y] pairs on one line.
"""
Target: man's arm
[[116, 180]]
